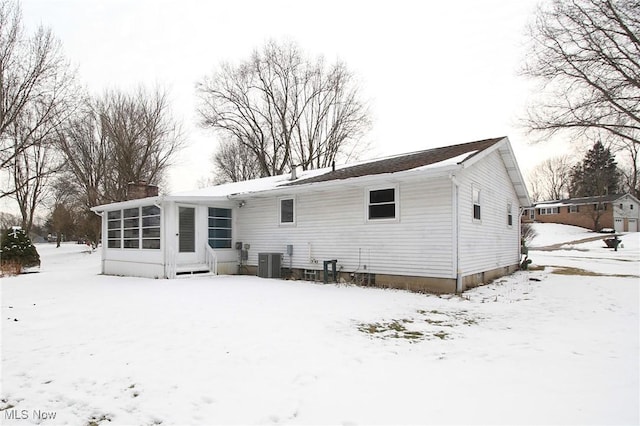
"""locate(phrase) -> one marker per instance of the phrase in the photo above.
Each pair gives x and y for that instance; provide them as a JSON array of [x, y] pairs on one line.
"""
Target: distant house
[[440, 220], [620, 212]]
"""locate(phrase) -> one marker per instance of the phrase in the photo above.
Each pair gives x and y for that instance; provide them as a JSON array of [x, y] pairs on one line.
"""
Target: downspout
[[163, 238], [102, 234], [456, 231]]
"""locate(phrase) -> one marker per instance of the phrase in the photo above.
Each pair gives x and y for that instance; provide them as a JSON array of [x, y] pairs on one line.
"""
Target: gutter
[[456, 231]]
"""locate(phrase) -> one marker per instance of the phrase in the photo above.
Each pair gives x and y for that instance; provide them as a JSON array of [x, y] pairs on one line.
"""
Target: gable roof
[[404, 162], [609, 198], [438, 160]]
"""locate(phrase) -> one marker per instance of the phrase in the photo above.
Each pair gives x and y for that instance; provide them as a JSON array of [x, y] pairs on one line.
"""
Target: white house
[[440, 220]]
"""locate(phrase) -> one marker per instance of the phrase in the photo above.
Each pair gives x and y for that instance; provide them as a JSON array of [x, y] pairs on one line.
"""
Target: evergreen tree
[[16, 248], [596, 175]]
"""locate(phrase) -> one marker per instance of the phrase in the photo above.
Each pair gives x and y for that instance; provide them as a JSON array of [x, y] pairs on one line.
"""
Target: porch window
[[114, 229], [131, 228], [382, 204], [134, 228], [150, 227], [220, 235]]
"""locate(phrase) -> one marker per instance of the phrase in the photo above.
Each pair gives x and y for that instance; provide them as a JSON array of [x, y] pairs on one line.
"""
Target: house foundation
[[401, 282]]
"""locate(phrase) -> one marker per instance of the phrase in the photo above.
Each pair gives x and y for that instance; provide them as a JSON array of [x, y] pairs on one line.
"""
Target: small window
[[287, 212], [509, 215], [220, 235], [630, 206], [549, 210], [573, 209], [382, 204], [476, 203]]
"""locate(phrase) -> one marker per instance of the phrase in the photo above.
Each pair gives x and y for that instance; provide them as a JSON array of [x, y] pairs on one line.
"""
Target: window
[[382, 204], [573, 209], [287, 211], [131, 228], [549, 210], [114, 229], [630, 206], [150, 227], [134, 228], [509, 215], [219, 228], [476, 203]]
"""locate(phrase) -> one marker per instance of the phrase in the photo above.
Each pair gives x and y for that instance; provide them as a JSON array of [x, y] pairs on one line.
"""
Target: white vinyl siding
[[489, 244], [330, 225]]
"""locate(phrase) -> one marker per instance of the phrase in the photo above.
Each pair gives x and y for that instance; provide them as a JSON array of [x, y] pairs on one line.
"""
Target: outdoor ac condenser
[[269, 265]]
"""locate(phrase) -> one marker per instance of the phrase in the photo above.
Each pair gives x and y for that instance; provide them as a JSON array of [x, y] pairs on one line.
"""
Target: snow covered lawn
[[538, 347]]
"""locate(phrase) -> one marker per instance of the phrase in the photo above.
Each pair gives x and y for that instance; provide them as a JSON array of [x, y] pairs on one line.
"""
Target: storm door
[[186, 229]]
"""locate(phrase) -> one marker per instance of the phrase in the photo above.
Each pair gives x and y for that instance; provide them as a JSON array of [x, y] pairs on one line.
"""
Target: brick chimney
[[141, 189]]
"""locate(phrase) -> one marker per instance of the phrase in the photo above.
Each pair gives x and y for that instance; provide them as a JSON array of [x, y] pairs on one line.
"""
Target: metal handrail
[[212, 259]]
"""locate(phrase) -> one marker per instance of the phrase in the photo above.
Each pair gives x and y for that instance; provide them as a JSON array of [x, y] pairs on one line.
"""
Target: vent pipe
[[333, 166]]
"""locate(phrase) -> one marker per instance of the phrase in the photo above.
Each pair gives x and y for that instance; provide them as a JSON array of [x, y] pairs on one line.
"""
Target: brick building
[[616, 211]]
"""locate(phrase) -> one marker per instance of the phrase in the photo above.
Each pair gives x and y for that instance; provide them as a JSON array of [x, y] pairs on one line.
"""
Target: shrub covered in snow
[[16, 251]]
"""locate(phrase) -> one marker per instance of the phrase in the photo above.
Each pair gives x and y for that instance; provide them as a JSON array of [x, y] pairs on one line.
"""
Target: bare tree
[[142, 135], [34, 81], [284, 108], [117, 139], [234, 162], [550, 179], [586, 54], [113, 140]]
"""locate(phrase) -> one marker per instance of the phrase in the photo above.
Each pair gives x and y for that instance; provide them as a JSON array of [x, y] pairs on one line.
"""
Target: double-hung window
[[509, 214], [476, 203], [382, 204]]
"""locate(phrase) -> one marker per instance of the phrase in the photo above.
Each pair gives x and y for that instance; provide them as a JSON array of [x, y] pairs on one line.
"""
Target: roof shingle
[[403, 162]]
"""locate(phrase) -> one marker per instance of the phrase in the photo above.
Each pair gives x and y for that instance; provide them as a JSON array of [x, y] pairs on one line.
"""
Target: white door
[[633, 225], [186, 234], [618, 224]]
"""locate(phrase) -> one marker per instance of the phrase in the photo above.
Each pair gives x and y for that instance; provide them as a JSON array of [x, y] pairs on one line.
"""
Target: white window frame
[[396, 202], [474, 188], [280, 222], [510, 214], [121, 228], [215, 227], [549, 210]]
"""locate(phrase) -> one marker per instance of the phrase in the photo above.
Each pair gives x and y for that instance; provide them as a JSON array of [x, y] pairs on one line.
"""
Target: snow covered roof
[[609, 198], [440, 159], [420, 160]]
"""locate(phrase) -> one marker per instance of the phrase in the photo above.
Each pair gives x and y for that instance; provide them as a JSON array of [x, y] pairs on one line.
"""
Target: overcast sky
[[435, 72]]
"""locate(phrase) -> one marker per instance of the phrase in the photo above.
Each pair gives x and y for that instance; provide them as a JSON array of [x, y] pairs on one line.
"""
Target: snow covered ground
[[548, 346]]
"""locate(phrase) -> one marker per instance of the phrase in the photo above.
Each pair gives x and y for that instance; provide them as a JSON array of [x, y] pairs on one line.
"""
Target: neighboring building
[[439, 220], [620, 212]]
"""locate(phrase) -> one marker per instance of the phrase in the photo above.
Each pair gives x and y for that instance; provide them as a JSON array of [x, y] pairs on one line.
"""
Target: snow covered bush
[[17, 252]]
